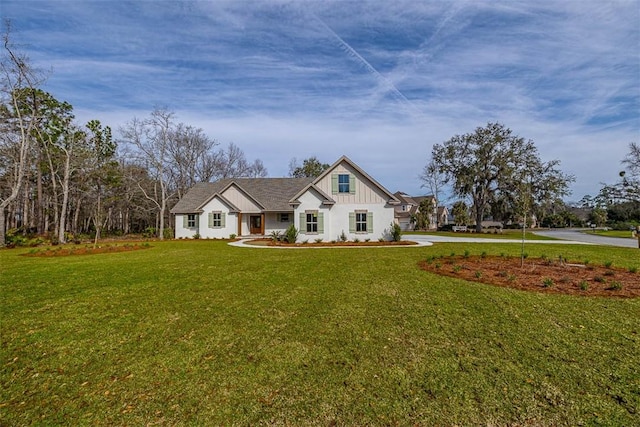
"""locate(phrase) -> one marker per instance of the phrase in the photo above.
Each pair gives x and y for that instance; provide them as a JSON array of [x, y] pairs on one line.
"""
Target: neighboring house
[[409, 206], [343, 199]]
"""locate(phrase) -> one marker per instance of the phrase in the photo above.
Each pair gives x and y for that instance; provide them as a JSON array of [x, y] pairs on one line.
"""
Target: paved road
[[430, 238], [578, 235]]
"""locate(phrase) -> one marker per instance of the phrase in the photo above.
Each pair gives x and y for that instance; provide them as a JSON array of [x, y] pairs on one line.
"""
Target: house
[[408, 209], [343, 199]]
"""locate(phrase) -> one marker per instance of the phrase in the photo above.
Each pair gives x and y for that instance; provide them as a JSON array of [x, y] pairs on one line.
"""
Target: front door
[[255, 224]]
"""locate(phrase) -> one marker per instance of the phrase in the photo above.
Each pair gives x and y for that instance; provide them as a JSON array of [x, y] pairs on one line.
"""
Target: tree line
[[61, 179]]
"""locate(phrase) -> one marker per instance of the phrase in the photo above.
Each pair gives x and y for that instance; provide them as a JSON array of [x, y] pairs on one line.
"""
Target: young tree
[[435, 181], [311, 168]]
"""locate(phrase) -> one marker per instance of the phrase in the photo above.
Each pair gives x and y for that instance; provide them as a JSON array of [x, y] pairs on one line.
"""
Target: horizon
[[380, 83]]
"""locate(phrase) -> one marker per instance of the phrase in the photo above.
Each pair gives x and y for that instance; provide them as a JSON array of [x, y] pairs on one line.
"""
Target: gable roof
[[392, 199], [405, 199], [271, 194]]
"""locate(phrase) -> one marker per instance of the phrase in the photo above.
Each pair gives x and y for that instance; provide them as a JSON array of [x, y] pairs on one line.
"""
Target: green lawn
[[612, 233], [200, 333], [505, 234]]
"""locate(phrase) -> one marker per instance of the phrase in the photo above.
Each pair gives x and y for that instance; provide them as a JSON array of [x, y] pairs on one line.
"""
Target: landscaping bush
[[396, 232], [291, 234]]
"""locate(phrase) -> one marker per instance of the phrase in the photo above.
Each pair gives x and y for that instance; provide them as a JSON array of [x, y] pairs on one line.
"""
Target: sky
[[378, 81]]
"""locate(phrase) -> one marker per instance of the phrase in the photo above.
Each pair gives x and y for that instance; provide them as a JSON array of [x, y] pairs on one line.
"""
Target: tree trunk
[[65, 197]]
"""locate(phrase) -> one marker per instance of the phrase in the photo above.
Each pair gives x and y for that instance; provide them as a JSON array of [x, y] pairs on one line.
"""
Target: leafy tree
[[491, 163], [102, 168], [422, 217], [311, 168], [460, 212], [598, 216]]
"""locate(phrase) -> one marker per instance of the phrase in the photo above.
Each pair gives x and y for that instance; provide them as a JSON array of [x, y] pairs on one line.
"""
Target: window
[[312, 222], [284, 217], [217, 219], [343, 183], [191, 221], [361, 222]]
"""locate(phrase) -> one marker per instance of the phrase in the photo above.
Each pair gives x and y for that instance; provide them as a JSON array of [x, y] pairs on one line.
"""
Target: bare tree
[[192, 157], [16, 120], [435, 181], [232, 163], [151, 139]]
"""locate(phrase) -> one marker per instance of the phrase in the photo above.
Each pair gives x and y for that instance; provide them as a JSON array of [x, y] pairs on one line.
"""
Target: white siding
[[336, 218], [271, 222]]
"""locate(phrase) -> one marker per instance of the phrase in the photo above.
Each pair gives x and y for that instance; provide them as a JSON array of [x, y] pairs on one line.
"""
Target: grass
[[505, 234], [611, 233], [198, 332]]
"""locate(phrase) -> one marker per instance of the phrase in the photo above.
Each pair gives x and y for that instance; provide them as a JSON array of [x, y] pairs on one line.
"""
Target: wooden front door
[[255, 224]]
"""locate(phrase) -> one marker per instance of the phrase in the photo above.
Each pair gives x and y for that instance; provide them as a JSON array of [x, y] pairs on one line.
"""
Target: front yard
[[198, 332]]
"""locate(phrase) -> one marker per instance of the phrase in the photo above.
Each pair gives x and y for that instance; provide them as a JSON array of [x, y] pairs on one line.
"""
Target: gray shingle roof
[[273, 194]]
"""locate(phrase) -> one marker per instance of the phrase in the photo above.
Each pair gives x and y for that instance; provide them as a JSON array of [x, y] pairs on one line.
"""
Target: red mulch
[[540, 275], [85, 250]]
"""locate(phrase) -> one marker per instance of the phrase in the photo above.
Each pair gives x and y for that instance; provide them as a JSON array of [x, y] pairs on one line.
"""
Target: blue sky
[[380, 81]]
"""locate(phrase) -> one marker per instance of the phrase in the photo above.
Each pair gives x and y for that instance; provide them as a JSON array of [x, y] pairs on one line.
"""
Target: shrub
[[291, 235], [466, 254], [633, 269], [478, 274], [342, 237], [483, 254], [232, 236], [584, 285], [608, 264], [396, 232], [356, 240], [167, 233], [196, 236], [318, 240], [276, 235], [547, 282], [615, 286]]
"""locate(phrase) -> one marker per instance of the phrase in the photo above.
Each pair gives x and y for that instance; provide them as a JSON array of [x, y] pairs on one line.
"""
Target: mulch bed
[[539, 275]]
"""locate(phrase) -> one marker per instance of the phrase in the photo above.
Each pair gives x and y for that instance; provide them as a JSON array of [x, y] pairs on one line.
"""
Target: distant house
[[343, 199], [409, 207]]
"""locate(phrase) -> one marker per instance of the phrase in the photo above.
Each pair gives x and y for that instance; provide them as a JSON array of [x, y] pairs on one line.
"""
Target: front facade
[[344, 199]]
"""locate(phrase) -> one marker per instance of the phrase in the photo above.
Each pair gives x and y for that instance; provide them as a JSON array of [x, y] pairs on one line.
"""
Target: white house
[[343, 199]]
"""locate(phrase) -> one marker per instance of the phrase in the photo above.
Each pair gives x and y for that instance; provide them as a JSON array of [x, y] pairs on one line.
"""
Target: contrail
[[352, 52]]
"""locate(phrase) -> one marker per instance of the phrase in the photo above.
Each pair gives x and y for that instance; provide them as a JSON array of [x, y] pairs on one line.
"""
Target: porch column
[[239, 224], [262, 224]]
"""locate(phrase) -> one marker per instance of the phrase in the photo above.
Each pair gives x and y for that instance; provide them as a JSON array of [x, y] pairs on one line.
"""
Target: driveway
[[468, 239], [578, 235]]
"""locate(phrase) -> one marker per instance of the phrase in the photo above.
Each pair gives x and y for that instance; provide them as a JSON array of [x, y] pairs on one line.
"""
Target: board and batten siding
[[239, 199], [365, 191]]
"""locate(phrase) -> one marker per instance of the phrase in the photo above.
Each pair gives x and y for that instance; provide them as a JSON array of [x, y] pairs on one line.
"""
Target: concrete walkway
[[242, 243]]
